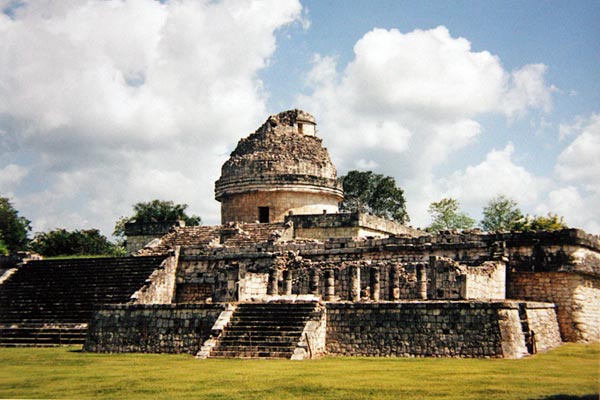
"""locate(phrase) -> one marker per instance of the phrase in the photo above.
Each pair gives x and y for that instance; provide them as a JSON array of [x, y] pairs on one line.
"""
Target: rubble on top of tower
[[282, 137]]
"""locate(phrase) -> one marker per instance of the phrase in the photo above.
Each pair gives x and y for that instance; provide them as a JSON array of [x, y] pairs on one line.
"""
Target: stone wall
[[487, 281], [562, 268], [160, 287], [139, 234], [452, 280], [243, 207], [136, 243], [162, 328], [253, 285], [543, 323], [577, 299], [346, 225], [431, 329], [313, 341]]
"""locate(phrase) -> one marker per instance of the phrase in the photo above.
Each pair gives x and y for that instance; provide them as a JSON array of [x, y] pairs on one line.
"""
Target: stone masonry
[[432, 329], [160, 328], [286, 275]]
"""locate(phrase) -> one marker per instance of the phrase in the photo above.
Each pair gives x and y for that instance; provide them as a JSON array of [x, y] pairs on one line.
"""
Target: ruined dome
[[283, 155]]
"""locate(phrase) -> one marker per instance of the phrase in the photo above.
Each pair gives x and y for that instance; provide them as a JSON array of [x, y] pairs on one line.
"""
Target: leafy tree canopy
[[156, 211], [445, 215], [14, 229], [501, 214], [375, 194], [3, 249], [550, 222], [60, 242]]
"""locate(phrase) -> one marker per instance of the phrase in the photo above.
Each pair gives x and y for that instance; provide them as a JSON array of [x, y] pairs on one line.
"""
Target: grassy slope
[[571, 371]]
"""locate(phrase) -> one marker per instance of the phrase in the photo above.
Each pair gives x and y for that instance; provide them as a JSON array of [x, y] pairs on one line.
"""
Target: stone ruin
[[287, 276]]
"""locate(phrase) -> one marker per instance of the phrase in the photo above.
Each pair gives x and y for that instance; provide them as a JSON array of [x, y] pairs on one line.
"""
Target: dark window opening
[[263, 215], [300, 128]]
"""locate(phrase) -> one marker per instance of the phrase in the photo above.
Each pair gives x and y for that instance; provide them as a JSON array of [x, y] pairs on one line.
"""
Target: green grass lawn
[[569, 372]]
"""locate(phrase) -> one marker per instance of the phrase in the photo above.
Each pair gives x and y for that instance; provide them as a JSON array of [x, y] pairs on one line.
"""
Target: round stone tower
[[281, 168]]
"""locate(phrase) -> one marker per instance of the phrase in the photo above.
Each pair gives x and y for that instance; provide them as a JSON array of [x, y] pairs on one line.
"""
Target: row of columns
[[355, 290]]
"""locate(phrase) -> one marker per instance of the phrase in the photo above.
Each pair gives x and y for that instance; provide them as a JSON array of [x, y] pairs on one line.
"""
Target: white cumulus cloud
[[407, 101], [116, 102], [497, 174], [579, 211], [580, 161], [577, 197]]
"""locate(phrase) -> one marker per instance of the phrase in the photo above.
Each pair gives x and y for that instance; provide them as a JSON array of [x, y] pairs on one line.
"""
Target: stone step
[[262, 330], [264, 323], [42, 334], [6, 334], [247, 354], [241, 333], [40, 341], [30, 344], [274, 316], [45, 331], [274, 340], [257, 348], [274, 308], [260, 338], [257, 343], [39, 320]]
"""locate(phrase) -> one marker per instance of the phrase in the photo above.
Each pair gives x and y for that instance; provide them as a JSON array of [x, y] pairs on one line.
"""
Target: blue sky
[[107, 103]]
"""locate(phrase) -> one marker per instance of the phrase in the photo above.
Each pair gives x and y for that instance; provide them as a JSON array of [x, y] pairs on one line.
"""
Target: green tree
[[156, 211], [501, 214], [61, 242], [375, 194], [14, 229], [3, 248], [550, 222], [445, 215]]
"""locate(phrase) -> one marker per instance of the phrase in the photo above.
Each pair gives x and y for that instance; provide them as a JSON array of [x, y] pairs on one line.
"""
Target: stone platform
[[492, 329]]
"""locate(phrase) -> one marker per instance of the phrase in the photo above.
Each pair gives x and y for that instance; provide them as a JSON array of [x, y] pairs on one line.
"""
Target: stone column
[[355, 283], [287, 282], [272, 289], [329, 285], [375, 286], [422, 281], [394, 285], [314, 281]]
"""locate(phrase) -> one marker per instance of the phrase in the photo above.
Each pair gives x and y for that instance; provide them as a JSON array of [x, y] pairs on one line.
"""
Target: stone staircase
[[264, 330], [49, 302], [42, 335]]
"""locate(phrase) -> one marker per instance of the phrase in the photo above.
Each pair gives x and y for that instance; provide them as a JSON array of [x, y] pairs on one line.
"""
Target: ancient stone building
[[303, 283], [281, 168]]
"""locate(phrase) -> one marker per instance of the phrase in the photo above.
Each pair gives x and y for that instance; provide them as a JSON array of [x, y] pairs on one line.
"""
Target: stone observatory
[[267, 284], [280, 169]]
